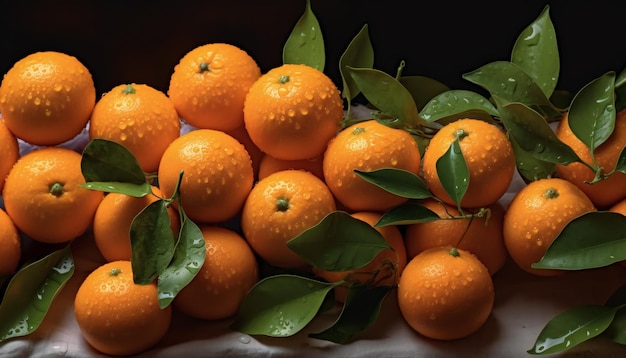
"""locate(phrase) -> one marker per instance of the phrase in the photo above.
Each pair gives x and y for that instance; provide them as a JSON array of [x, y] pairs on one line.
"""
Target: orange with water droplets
[[117, 316], [10, 245], [269, 165], [10, 150], [367, 146], [445, 293], [279, 208], [46, 98], [209, 85], [292, 111], [139, 117], [535, 217], [489, 157], [217, 174], [256, 154]]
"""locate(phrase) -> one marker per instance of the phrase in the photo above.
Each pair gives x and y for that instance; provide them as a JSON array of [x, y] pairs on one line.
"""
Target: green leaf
[[537, 53], [591, 115], [397, 181], [305, 44], [422, 88], [152, 242], [453, 173], [407, 213], [529, 167], [107, 161], [281, 305], [135, 190], [620, 166], [572, 327], [359, 53], [360, 310], [189, 256], [31, 291], [387, 94], [594, 239], [339, 242], [452, 103], [617, 329]]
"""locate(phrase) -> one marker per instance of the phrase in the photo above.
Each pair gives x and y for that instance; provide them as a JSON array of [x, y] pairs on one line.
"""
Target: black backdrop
[[141, 41]]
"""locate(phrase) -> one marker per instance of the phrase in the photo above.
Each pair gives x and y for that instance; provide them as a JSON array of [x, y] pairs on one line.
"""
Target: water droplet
[[244, 339]]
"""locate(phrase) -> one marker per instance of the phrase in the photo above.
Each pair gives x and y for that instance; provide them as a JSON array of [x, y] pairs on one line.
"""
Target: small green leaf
[[405, 214], [397, 181], [594, 239], [359, 53], [305, 44], [529, 167], [107, 161], [339, 242], [620, 166], [130, 189], [281, 305], [422, 88], [591, 115], [453, 173], [152, 242], [537, 53], [31, 291], [360, 310], [452, 103]]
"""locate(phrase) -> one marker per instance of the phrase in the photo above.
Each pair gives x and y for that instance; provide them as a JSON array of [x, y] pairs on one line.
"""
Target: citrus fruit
[[368, 146], [384, 270], [605, 192], [10, 245], [292, 111], [113, 219], [619, 207], [536, 215], [117, 316], [139, 117], [46, 98], [255, 153], [269, 165], [229, 271], [445, 293], [279, 208], [482, 236], [43, 197], [209, 85], [488, 155], [217, 174], [10, 150]]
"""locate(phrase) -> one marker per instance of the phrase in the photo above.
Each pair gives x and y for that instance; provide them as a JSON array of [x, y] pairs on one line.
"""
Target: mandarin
[[10, 150], [10, 245]]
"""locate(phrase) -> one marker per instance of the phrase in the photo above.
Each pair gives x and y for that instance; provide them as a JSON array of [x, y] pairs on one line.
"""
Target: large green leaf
[[397, 181], [451, 103], [453, 172], [422, 88], [358, 54], [107, 161], [407, 213], [529, 167], [305, 44]]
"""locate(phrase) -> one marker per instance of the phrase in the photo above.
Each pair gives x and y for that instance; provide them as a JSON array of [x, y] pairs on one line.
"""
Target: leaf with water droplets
[[397, 181], [339, 242], [453, 104], [537, 53], [107, 161], [529, 167], [592, 114], [130, 189], [31, 291], [358, 54], [453, 172], [305, 44], [422, 88], [281, 305], [405, 214]]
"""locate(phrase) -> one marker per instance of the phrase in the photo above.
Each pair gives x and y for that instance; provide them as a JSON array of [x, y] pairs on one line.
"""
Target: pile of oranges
[[268, 151]]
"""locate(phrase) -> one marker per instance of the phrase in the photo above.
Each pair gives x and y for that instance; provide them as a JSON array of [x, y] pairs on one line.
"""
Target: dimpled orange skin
[[368, 146], [610, 190], [46, 98], [10, 245], [536, 215], [10, 150], [213, 98], [488, 155], [292, 111], [140, 118], [229, 271], [117, 316]]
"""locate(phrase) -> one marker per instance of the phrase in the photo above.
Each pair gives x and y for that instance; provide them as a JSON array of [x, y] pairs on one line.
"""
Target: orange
[[43, 198], [488, 154], [140, 118], [269, 165], [445, 293], [384, 270], [619, 207], [368, 146], [10, 150], [46, 98], [115, 315], [10, 245], [483, 236], [113, 218], [279, 208], [217, 174], [229, 271], [535, 217], [610, 190], [256, 154], [209, 85], [292, 111]]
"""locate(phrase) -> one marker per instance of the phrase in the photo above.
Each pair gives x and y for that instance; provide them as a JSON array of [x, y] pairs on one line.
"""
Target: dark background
[[141, 41]]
